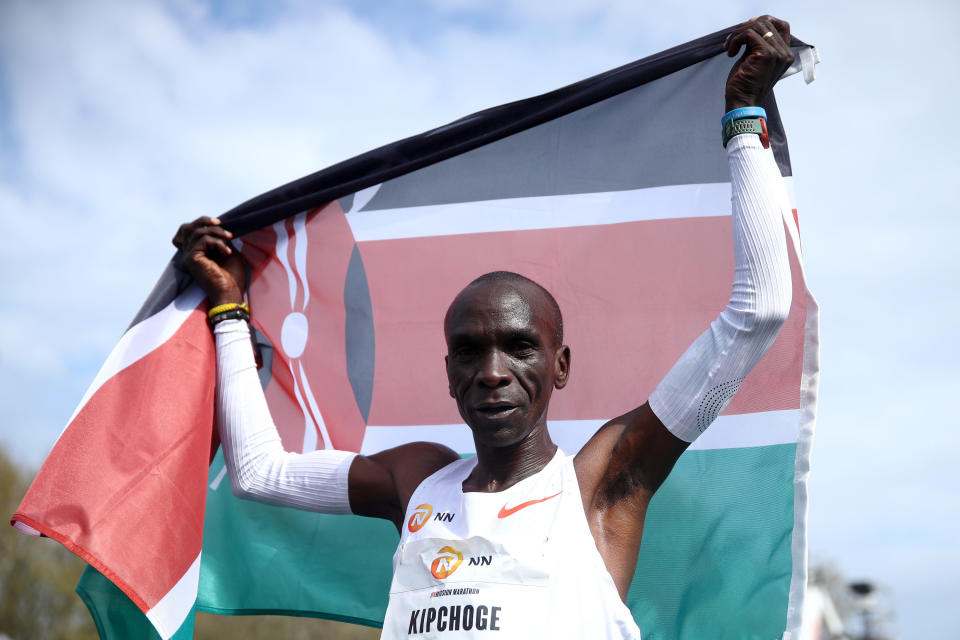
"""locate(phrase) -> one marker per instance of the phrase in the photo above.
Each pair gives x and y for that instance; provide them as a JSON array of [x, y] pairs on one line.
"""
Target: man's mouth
[[495, 409]]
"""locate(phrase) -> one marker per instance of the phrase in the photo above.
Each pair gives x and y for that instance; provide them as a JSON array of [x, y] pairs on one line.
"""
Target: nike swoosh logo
[[505, 512]]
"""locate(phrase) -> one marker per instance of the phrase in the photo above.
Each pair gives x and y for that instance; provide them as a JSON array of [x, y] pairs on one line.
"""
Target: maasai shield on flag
[[613, 193]]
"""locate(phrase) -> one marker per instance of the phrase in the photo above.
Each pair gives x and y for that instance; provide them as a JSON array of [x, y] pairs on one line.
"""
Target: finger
[[771, 47], [220, 232], [783, 28], [209, 245], [778, 45], [200, 233], [734, 39], [203, 221], [199, 240], [179, 236], [749, 38], [740, 35], [733, 43], [726, 41], [186, 229], [771, 34], [767, 31]]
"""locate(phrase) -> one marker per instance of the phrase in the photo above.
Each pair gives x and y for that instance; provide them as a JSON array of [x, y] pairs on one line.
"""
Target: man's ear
[[446, 364], [561, 367]]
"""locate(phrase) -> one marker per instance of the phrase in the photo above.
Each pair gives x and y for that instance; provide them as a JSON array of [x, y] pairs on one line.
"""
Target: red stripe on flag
[[128, 476], [634, 296]]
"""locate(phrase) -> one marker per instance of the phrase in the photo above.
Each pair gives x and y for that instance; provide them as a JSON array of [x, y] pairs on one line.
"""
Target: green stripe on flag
[[716, 556], [115, 615]]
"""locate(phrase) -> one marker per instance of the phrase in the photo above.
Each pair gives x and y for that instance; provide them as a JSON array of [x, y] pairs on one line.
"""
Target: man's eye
[[523, 347], [464, 353]]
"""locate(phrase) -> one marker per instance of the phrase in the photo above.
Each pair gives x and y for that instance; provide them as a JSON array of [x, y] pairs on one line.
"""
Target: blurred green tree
[[211, 627], [37, 576]]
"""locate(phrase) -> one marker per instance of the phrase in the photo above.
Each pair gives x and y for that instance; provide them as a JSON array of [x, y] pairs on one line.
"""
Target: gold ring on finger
[[767, 35]]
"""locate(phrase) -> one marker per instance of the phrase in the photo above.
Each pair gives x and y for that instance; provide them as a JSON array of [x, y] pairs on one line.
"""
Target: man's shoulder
[[411, 463], [381, 483], [430, 453], [418, 454]]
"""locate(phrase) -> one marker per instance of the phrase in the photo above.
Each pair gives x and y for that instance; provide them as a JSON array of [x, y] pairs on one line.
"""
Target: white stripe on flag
[[142, 338], [173, 608], [808, 402], [544, 212], [727, 432], [23, 527]]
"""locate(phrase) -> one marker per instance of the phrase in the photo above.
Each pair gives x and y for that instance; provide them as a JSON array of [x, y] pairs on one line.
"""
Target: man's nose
[[494, 370]]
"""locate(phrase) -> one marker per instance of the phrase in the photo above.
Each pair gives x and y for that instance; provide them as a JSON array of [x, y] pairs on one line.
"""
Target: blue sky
[[119, 120]]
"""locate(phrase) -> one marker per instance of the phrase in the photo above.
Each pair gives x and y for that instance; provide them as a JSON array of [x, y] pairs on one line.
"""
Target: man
[[532, 541]]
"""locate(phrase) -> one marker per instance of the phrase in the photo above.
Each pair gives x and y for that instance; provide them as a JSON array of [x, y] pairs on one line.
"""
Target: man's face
[[502, 362]]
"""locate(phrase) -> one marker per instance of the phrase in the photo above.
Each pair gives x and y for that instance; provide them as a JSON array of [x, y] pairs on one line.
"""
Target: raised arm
[[630, 457], [325, 481]]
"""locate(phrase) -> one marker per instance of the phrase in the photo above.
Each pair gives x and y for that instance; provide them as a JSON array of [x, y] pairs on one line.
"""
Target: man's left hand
[[767, 57]]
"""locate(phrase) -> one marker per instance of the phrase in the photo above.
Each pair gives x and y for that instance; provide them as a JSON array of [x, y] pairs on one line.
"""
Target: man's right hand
[[211, 260]]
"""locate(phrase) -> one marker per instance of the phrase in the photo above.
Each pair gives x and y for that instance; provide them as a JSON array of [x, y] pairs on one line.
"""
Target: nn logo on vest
[[446, 562], [420, 517]]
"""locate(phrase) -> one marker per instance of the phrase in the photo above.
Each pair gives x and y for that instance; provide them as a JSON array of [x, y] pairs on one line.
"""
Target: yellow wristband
[[230, 306]]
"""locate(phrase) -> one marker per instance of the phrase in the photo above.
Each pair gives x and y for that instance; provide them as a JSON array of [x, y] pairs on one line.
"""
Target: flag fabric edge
[[809, 389]]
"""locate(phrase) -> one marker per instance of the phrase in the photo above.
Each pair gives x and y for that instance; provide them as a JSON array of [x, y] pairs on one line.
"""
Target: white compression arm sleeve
[[257, 464], [709, 373]]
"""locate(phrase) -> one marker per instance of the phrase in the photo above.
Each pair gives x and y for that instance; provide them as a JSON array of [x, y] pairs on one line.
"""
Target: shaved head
[[522, 284], [505, 356]]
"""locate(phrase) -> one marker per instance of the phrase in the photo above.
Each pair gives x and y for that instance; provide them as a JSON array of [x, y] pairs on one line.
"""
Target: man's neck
[[500, 468]]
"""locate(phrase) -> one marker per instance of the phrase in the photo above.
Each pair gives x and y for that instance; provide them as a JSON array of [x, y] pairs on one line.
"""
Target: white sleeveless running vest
[[520, 563]]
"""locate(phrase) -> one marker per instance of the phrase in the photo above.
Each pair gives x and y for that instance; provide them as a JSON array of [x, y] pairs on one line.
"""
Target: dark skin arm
[[381, 484], [623, 465]]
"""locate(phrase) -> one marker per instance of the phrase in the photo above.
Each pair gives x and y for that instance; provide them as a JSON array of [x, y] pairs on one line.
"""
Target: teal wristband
[[743, 112], [746, 125]]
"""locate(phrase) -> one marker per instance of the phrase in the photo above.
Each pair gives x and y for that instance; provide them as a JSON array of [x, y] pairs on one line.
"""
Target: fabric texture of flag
[[614, 194]]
